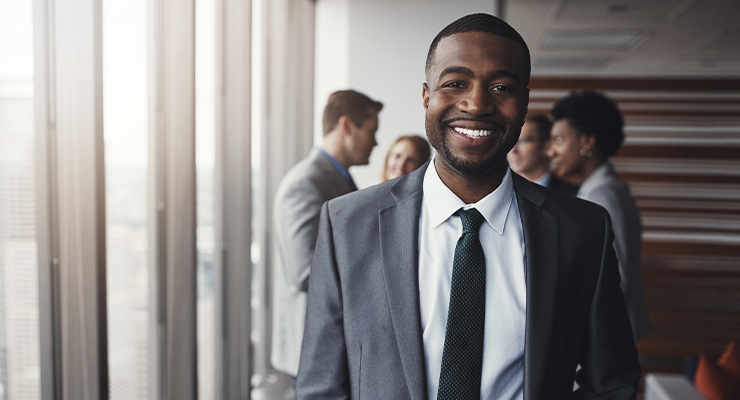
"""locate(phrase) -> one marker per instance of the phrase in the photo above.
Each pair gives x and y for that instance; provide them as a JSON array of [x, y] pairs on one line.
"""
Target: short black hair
[[593, 114], [480, 23], [542, 125]]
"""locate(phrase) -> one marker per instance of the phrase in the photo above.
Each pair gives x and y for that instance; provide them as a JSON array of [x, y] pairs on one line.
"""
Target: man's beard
[[438, 139]]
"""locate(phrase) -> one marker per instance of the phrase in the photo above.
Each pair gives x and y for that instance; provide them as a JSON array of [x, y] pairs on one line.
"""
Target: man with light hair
[[349, 123]]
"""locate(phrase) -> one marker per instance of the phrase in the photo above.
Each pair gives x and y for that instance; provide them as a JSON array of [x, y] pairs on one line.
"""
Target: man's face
[[362, 140], [529, 156], [475, 100]]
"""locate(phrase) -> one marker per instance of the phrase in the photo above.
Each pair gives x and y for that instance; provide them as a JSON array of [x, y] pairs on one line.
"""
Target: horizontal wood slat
[[652, 100], [722, 152], [661, 113], [637, 177], [718, 85]]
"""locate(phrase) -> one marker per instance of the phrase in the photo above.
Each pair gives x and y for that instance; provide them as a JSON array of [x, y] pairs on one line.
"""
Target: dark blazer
[[562, 186], [363, 334]]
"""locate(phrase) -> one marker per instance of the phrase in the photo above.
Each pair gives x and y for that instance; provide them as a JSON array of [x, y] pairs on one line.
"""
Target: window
[[126, 152], [19, 325], [149, 129], [205, 132]]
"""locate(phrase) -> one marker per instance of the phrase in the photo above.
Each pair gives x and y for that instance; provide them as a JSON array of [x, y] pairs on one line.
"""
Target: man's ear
[[345, 123], [425, 94]]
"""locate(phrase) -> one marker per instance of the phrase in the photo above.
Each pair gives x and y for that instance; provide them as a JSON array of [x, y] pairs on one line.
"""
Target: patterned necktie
[[462, 359]]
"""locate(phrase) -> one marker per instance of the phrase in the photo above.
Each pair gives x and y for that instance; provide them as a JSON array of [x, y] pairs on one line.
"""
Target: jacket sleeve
[[323, 370], [610, 368], [297, 221]]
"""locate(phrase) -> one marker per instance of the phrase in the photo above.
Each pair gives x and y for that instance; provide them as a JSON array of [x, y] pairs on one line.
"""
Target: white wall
[[379, 48], [331, 54]]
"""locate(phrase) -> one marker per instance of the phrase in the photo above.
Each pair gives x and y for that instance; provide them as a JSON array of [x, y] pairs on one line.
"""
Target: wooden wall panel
[[682, 161]]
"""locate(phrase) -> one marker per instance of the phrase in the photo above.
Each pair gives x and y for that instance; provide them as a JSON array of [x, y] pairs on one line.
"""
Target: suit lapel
[[399, 243], [399, 236], [540, 229]]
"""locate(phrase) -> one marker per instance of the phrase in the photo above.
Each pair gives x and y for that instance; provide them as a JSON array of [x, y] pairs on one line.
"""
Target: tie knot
[[471, 219]]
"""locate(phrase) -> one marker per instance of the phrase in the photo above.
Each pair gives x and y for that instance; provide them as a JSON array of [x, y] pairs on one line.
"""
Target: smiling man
[[463, 280]]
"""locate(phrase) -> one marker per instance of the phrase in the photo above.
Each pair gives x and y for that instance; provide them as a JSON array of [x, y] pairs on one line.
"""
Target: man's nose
[[477, 101]]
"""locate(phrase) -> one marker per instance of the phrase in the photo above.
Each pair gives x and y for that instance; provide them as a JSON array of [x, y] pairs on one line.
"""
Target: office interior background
[[141, 143]]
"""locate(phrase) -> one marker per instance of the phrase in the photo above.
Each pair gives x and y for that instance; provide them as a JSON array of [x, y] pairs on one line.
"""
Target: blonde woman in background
[[407, 153]]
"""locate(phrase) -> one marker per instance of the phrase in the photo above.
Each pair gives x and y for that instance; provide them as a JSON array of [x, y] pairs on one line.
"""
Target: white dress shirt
[[503, 246]]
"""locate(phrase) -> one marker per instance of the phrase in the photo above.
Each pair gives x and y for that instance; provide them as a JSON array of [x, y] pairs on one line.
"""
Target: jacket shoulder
[[569, 208], [371, 200], [562, 186]]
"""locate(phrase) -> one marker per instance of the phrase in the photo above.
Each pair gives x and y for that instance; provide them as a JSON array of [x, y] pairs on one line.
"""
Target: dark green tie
[[462, 359]]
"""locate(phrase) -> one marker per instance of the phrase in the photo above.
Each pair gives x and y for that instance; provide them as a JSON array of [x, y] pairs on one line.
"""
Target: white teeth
[[473, 133]]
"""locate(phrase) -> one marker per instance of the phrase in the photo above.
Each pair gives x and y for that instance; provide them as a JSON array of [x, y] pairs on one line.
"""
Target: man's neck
[[470, 189], [334, 149]]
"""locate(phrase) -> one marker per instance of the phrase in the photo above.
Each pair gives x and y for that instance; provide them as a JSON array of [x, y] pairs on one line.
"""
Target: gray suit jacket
[[363, 334], [605, 188], [298, 201]]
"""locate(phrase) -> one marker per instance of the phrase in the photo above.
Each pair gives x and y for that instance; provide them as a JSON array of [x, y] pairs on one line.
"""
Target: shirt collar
[[441, 202], [544, 180], [336, 163]]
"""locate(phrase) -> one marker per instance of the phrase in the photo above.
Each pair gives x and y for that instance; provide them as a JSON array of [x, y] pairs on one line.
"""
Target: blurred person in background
[[529, 157], [350, 121], [588, 129], [406, 154]]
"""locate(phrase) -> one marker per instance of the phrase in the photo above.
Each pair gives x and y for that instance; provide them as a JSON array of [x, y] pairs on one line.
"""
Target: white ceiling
[[630, 37]]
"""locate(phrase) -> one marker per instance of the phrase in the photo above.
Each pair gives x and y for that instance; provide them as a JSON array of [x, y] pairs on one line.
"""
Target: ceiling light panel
[[606, 40], [609, 10], [571, 63]]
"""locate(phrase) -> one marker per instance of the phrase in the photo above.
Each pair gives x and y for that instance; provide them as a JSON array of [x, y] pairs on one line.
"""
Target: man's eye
[[454, 84], [501, 88]]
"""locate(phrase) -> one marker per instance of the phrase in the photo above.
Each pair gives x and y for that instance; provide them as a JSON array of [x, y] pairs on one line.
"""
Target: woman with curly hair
[[588, 129]]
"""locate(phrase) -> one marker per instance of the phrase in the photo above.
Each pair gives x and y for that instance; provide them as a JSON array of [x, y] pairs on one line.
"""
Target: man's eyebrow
[[456, 70], [502, 72], [467, 72]]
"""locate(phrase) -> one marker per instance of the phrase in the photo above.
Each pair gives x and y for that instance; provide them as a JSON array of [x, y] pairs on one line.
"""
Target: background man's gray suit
[[298, 201], [363, 334]]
